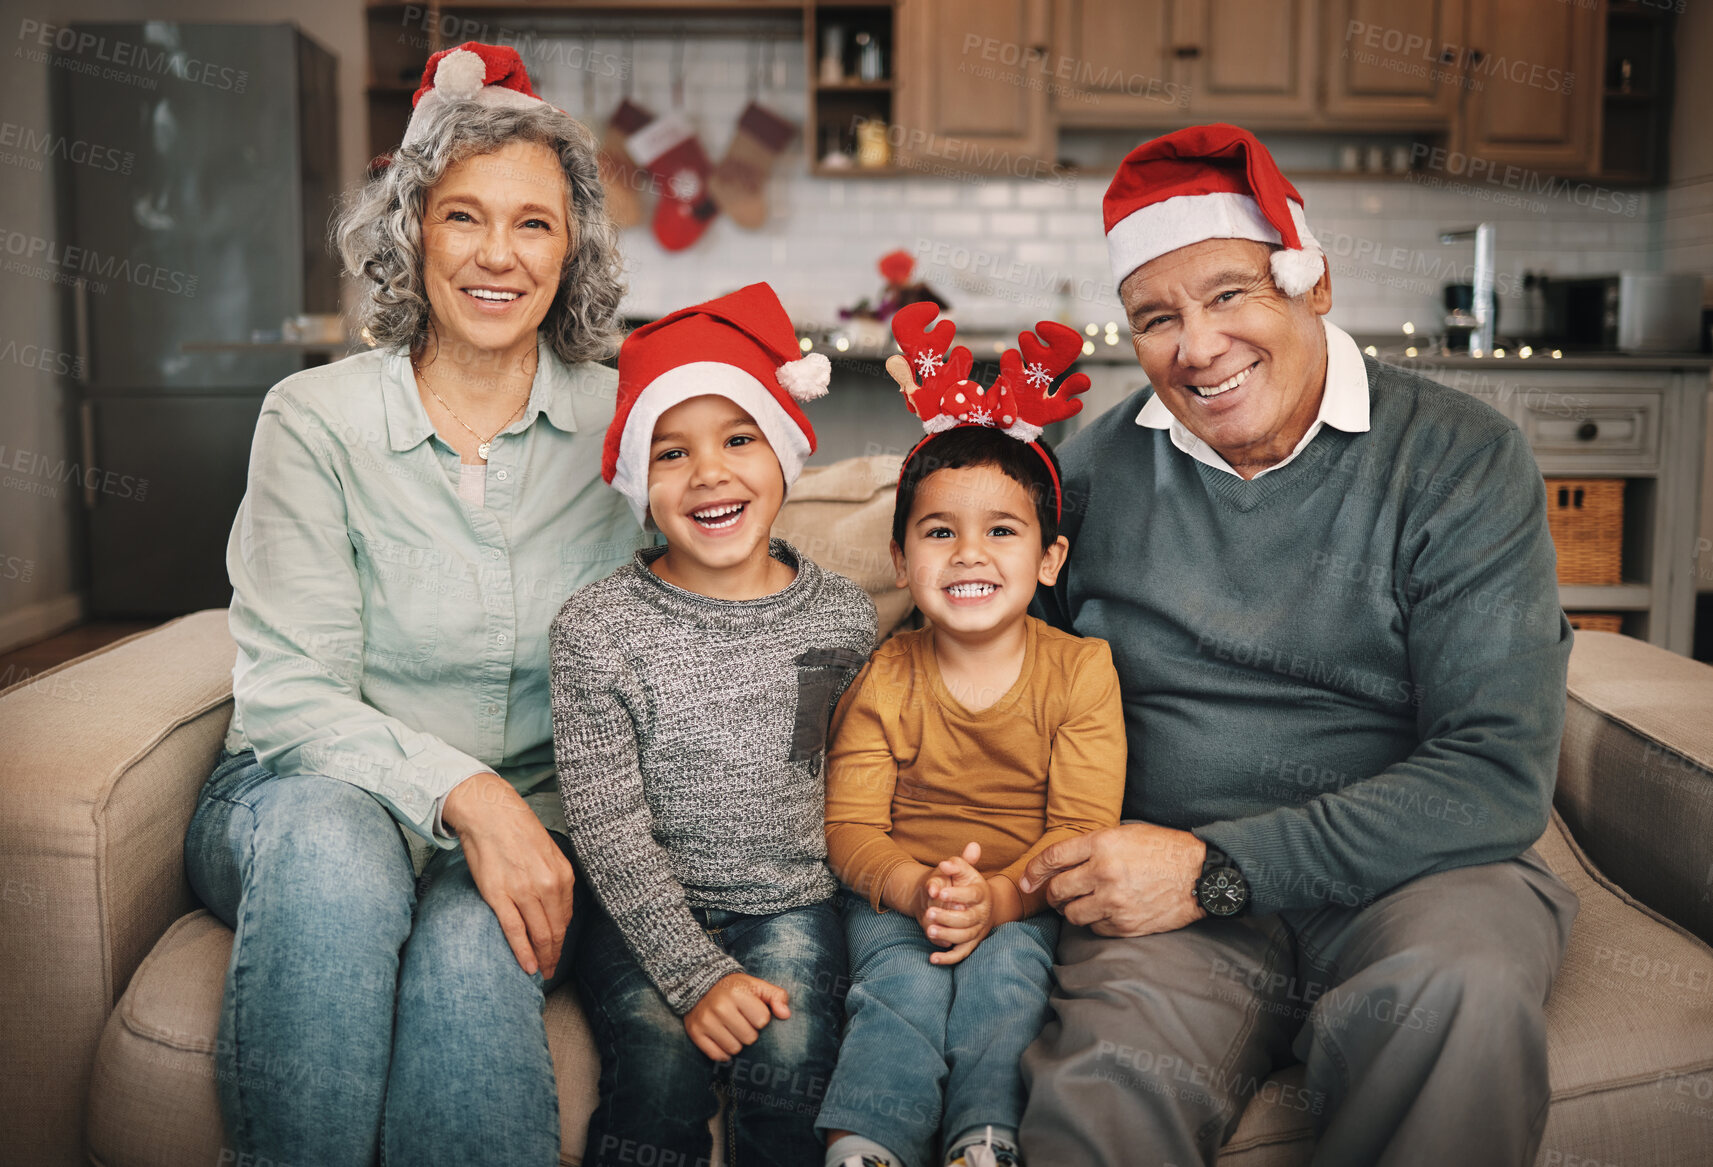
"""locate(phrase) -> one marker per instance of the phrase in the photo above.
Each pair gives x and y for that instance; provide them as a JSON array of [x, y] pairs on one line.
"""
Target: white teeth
[[486, 294], [1225, 386], [970, 591], [707, 517]]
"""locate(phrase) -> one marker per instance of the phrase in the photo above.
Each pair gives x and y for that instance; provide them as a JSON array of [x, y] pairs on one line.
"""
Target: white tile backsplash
[[1001, 248]]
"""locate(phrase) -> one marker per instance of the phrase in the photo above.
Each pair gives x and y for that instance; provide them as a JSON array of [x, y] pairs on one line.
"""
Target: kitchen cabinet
[[1177, 62], [1252, 62], [1532, 89], [1112, 65], [971, 91], [1392, 62]]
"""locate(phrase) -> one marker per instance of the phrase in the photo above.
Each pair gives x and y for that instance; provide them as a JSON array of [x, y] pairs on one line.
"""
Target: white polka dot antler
[[934, 376]]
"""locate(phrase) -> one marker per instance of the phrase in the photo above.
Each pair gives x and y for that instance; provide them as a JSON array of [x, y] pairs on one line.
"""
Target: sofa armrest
[[104, 758], [1635, 772]]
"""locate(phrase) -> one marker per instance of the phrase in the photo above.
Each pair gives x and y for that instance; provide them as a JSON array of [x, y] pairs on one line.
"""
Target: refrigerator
[[193, 207]]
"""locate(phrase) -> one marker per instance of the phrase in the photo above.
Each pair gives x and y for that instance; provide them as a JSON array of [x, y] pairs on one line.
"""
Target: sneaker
[[987, 1153]]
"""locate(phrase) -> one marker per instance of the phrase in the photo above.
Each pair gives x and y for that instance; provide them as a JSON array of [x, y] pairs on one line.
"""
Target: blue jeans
[[657, 1089], [918, 1031], [361, 1018]]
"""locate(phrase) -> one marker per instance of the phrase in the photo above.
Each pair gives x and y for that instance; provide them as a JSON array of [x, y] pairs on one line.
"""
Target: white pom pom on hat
[[806, 378], [1208, 182], [486, 74], [461, 73]]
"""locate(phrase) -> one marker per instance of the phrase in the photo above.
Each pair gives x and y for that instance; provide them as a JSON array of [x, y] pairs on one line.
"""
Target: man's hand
[[733, 1013], [1134, 879], [518, 868], [957, 906]]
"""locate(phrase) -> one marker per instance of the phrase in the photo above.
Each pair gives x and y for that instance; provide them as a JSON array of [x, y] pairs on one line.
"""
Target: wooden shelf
[[1625, 597], [855, 87], [816, 170]]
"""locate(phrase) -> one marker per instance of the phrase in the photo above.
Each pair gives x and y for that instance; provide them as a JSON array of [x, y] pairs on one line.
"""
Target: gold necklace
[[485, 444]]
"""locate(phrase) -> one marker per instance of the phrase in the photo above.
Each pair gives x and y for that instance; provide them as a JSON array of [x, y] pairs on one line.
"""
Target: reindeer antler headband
[[1021, 402]]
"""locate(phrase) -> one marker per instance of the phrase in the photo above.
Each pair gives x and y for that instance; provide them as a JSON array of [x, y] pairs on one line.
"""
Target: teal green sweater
[[1346, 673]]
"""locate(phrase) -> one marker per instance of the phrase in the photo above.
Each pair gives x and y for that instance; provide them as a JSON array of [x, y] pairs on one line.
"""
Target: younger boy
[[962, 751], [691, 696]]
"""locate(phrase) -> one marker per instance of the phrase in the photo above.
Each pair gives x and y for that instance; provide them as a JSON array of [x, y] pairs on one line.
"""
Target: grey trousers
[[1419, 1019]]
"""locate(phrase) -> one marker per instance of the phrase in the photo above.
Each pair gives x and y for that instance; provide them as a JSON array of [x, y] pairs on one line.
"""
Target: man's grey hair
[[378, 234]]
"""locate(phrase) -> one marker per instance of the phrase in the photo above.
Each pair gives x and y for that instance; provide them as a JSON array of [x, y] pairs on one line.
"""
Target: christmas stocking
[[624, 186], [669, 148], [739, 180]]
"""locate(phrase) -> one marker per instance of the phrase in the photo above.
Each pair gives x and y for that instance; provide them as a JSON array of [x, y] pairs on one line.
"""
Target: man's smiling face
[[1239, 363]]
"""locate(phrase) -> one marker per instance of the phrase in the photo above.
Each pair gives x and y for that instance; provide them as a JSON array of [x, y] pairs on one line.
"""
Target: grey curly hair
[[378, 234]]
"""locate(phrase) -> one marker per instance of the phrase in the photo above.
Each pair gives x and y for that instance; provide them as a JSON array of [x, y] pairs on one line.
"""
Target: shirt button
[[493, 709], [502, 638], [501, 475], [494, 553]]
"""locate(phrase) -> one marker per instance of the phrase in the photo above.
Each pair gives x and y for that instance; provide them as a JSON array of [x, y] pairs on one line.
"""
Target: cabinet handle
[[1186, 52], [1476, 56], [1587, 431], [1447, 57]]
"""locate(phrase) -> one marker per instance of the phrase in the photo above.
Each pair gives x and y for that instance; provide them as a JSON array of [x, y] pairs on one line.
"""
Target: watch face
[[1223, 892]]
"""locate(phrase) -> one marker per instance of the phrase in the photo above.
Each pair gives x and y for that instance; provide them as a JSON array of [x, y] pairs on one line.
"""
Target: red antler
[[1047, 353], [937, 372]]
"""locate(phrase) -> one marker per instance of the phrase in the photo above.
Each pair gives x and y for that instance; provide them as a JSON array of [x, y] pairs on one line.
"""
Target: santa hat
[[486, 74], [740, 346], [1208, 182]]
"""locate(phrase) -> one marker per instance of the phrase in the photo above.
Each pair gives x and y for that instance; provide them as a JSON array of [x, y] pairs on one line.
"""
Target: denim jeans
[[918, 1031], [366, 1013], [657, 1090]]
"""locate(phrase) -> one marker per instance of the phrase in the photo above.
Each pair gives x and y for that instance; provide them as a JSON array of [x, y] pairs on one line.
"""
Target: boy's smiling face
[[972, 551], [714, 483]]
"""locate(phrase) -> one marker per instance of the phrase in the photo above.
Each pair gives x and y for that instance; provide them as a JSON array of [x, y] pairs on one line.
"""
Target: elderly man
[[1329, 590]]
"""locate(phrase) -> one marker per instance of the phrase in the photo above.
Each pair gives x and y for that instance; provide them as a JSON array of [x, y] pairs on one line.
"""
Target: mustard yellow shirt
[[913, 774]]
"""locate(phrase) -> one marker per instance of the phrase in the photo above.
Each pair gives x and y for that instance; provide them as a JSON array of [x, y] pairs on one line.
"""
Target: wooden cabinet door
[[1252, 62], [1533, 87], [972, 86], [1112, 64], [1393, 62]]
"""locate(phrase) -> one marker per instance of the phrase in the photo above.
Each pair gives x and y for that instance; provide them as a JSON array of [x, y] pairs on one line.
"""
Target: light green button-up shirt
[[390, 634]]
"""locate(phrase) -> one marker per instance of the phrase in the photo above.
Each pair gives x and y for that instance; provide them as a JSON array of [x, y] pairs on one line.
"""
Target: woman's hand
[[733, 1013], [518, 868]]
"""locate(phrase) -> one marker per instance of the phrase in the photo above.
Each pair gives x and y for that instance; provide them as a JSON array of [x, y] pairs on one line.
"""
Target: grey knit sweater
[[690, 734]]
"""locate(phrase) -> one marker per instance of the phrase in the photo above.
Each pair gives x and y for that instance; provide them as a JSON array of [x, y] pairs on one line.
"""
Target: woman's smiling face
[[495, 233]]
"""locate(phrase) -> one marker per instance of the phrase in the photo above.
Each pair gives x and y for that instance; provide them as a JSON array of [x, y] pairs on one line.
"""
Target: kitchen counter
[[986, 347]]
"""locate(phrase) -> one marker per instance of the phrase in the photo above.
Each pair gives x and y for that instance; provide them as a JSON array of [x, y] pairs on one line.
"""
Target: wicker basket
[[1596, 621], [1586, 516]]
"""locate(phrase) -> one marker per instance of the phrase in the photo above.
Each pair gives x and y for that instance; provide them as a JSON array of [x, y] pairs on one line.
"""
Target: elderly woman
[[415, 516]]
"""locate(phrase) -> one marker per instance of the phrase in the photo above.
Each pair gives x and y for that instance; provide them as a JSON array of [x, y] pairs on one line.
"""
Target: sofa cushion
[[104, 756], [840, 516], [152, 1102], [1629, 1041], [1635, 772], [1629, 1028]]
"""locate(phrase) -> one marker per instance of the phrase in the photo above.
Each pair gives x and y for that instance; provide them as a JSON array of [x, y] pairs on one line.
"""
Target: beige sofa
[[111, 974]]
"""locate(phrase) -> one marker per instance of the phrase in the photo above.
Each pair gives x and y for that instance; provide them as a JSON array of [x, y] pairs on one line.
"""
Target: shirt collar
[[553, 393], [1343, 402]]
